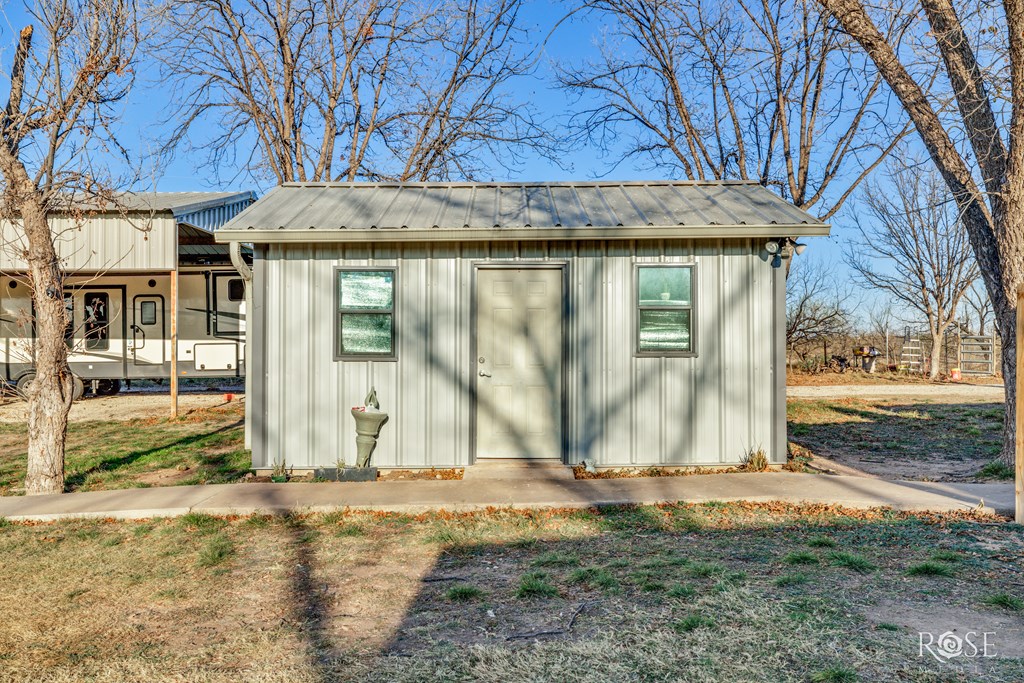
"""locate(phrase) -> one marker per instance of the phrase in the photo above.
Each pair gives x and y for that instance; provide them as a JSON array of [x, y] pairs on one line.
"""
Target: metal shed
[[632, 324]]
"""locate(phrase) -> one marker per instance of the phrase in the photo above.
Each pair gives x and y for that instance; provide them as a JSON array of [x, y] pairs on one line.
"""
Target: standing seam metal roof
[[477, 206]]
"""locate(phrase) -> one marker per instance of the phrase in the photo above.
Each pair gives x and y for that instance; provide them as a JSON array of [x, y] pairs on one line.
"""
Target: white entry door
[[519, 363]]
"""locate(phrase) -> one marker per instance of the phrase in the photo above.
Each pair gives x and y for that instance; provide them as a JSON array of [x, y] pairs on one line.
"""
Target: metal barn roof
[[176, 202], [392, 212]]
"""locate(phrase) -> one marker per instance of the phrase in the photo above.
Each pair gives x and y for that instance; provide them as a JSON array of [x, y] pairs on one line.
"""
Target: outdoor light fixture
[[783, 248], [771, 246], [799, 248]]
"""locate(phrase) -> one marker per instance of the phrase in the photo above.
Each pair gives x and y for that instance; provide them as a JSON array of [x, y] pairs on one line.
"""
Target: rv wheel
[[77, 388], [108, 387], [24, 382]]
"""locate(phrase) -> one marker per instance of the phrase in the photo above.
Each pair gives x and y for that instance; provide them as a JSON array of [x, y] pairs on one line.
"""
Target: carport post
[[1019, 417], [174, 343]]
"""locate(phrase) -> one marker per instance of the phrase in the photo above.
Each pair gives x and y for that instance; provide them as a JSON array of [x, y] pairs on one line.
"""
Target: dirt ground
[[938, 436], [122, 407], [851, 377]]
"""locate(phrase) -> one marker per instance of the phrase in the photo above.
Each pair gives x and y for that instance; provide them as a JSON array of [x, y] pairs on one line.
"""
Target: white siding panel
[[103, 243], [620, 410]]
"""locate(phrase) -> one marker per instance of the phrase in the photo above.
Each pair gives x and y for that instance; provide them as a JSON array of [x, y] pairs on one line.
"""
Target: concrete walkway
[[422, 496]]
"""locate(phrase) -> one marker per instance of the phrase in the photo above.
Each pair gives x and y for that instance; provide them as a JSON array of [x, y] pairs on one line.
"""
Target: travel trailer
[[118, 294]]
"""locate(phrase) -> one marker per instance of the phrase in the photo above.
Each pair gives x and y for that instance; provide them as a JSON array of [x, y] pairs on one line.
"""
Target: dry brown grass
[[675, 592]]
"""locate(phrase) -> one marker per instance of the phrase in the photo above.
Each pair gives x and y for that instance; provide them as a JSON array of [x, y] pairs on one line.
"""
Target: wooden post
[[174, 343], [1019, 417]]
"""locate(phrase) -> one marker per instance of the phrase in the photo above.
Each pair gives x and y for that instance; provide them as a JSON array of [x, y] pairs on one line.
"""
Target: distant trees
[[69, 71], [971, 121], [323, 90], [816, 310], [914, 248], [764, 90]]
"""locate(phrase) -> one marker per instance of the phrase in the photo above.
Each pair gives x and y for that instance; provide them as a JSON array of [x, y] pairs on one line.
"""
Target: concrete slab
[[414, 497], [491, 470]]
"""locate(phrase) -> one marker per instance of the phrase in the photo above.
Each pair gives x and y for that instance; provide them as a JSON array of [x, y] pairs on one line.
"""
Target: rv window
[[69, 329], [365, 314], [147, 312], [665, 317], [97, 320], [236, 290]]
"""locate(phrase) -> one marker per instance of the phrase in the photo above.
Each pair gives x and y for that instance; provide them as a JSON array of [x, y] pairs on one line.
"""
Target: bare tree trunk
[[1009, 358], [938, 338], [50, 395]]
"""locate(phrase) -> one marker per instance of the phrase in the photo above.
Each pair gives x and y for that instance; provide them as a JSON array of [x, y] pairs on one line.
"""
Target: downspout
[[235, 251]]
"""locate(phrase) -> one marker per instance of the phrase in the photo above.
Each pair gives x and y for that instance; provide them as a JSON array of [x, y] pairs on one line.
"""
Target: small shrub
[[681, 590], [852, 561], [692, 622], [800, 557], [536, 585], [755, 461], [464, 593], [997, 469], [834, 674], [821, 542], [930, 569], [1004, 600], [594, 577], [217, 550], [791, 580], [556, 559]]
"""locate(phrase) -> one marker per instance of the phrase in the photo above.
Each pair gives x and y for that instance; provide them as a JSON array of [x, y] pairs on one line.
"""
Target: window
[[664, 320], [97, 321], [365, 326], [147, 312], [69, 329], [236, 290]]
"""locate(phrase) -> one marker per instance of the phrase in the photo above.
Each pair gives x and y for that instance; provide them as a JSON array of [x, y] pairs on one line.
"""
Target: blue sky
[[573, 40]]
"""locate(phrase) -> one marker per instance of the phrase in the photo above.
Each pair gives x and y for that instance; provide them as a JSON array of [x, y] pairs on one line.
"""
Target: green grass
[[786, 580], [202, 447], [997, 469], [1004, 600], [594, 577], [463, 593], [800, 557], [536, 585], [851, 561], [556, 559], [834, 674], [203, 523], [946, 556], [692, 622], [821, 542], [681, 590], [930, 568], [704, 570], [217, 550]]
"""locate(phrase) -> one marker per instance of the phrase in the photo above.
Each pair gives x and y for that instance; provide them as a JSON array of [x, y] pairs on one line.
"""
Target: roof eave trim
[[395, 235]]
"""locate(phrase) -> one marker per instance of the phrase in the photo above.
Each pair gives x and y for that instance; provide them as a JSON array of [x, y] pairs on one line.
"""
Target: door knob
[[484, 374]]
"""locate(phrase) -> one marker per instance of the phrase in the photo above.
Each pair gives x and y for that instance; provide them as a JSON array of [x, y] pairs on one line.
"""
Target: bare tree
[[64, 84], [763, 90], [972, 124], [914, 248], [978, 308], [881, 322], [815, 308], [322, 90]]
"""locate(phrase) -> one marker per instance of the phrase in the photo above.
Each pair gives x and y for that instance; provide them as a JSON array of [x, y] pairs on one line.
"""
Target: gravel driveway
[[945, 392]]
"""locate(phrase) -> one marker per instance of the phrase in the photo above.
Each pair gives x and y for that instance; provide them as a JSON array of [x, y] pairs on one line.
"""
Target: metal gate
[[977, 355]]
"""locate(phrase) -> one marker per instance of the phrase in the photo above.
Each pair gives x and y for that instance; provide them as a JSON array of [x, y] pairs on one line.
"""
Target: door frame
[[556, 264], [163, 330]]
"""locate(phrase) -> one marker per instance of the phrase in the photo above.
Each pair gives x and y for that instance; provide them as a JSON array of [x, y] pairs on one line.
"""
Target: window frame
[[339, 312], [637, 308], [241, 283]]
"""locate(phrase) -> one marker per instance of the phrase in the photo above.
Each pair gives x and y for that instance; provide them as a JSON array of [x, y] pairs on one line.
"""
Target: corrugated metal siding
[[621, 410], [102, 243], [213, 217]]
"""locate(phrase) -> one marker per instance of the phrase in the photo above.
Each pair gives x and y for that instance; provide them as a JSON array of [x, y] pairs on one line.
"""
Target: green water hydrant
[[369, 420]]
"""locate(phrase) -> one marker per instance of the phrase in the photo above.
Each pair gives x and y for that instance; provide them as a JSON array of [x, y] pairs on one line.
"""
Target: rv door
[[228, 305], [96, 331], [147, 330]]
